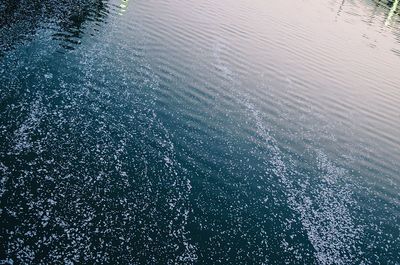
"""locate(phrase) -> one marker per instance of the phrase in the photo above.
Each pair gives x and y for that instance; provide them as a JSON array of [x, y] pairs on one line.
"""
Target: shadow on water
[[386, 9], [392, 8], [20, 20], [392, 12]]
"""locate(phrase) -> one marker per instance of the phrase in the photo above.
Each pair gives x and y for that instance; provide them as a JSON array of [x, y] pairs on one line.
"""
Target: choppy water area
[[199, 132]]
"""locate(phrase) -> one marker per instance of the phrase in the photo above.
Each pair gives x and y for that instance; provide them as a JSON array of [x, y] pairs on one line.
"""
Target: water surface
[[199, 132]]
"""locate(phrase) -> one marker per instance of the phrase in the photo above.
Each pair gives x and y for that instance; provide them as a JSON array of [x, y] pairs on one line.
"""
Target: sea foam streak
[[323, 203]]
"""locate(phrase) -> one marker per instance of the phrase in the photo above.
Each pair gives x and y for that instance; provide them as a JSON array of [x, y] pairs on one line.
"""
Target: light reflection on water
[[200, 132]]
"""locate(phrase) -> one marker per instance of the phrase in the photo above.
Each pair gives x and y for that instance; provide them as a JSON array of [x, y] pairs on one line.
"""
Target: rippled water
[[199, 132]]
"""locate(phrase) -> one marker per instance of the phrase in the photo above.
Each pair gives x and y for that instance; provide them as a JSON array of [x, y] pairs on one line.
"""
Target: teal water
[[199, 132]]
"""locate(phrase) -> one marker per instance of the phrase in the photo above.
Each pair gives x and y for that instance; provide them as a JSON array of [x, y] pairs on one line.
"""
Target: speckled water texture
[[199, 132]]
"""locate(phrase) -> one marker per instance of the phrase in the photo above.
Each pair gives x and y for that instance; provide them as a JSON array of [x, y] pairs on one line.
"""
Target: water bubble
[[48, 76]]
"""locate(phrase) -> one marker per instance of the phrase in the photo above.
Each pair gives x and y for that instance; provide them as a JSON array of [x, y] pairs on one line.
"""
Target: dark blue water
[[199, 132]]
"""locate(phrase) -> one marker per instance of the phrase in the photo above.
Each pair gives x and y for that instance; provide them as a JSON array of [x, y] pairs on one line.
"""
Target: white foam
[[3, 180], [22, 136], [323, 204]]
